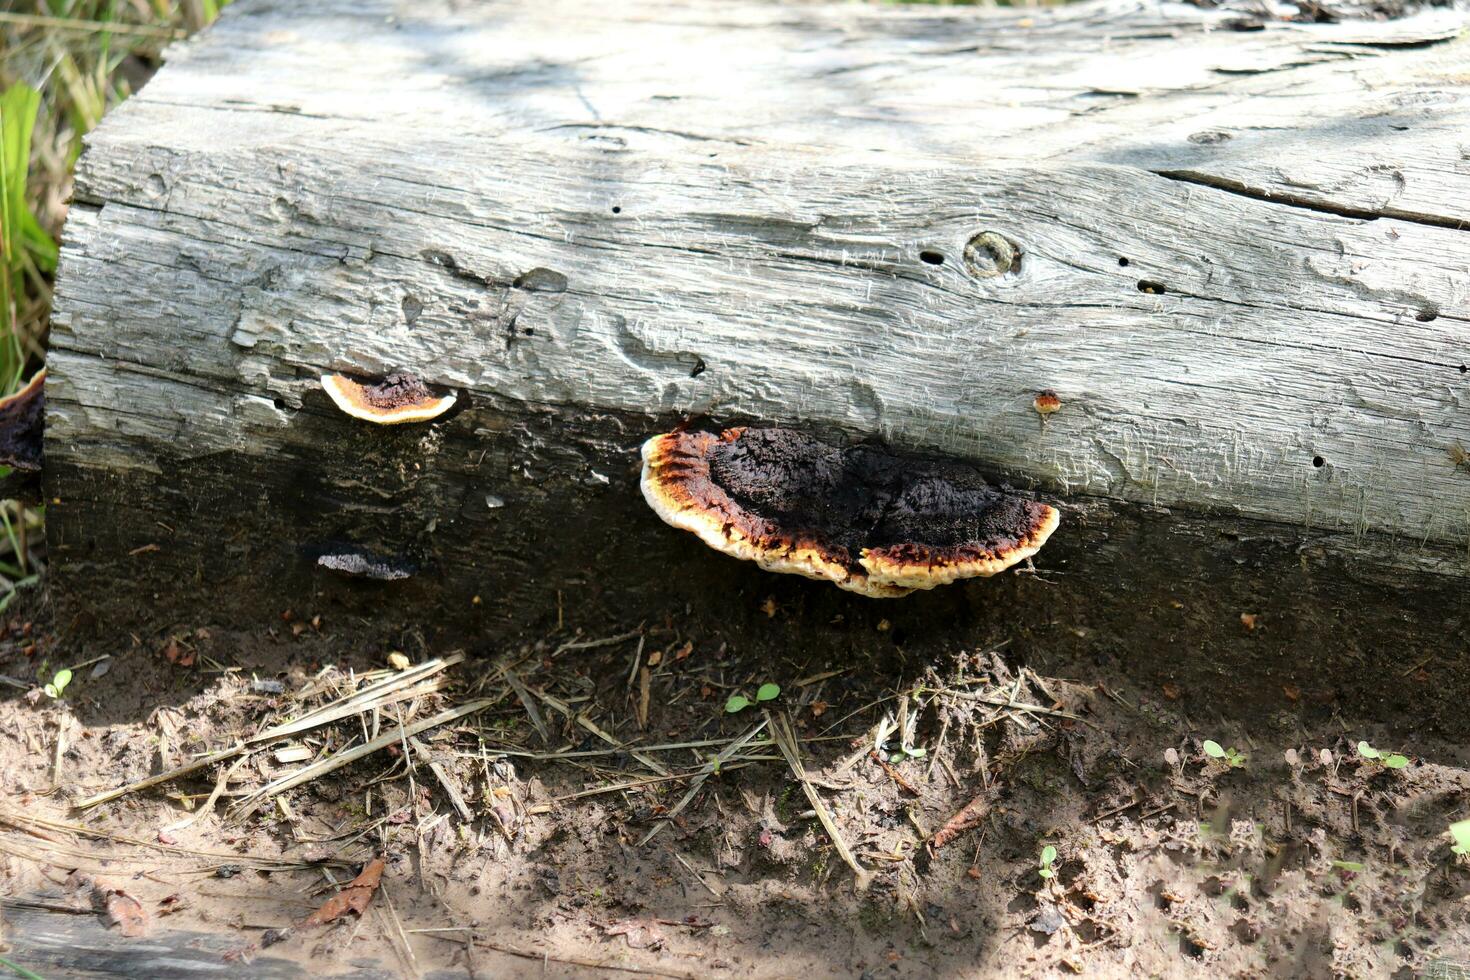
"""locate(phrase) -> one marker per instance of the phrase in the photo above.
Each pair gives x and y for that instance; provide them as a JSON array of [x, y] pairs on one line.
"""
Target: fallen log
[[1197, 276]]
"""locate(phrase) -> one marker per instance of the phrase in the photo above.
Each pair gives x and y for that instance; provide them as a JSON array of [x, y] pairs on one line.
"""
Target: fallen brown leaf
[[121, 910], [176, 653], [353, 898]]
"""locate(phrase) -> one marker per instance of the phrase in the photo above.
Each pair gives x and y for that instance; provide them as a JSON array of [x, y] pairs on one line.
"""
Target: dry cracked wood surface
[[1233, 245]]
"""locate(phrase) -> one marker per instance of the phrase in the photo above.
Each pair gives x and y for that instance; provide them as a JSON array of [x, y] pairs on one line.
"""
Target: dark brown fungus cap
[[398, 398], [22, 424], [360, 563], [868, 520]]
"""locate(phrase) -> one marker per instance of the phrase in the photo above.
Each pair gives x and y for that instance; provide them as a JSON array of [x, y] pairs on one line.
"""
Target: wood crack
[[1305, 203]]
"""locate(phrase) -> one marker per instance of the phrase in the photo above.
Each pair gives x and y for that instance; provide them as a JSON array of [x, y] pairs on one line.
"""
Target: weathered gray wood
[[1243, 267]]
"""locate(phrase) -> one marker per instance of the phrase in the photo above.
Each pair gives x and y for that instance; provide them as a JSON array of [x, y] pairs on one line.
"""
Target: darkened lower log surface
[[516, 519], [56, 944]]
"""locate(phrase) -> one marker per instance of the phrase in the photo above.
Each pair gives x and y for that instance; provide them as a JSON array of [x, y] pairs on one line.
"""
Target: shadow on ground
[[1055, 723]]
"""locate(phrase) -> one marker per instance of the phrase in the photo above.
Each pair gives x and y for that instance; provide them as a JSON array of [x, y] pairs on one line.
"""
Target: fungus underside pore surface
[[791, 489]]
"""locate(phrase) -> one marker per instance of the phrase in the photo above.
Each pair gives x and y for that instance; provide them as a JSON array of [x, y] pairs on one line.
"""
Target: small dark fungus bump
[[398, 398], [22, 425], [361, 563], [868, 520]]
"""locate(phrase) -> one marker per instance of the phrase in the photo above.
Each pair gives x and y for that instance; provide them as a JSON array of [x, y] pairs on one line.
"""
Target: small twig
[[593, 644], [709, 767], [894, 774], [587, 723], [340, 759], [446, 781], [694, 873], [785, 740], [545, 957], [968, 817], [203, 762], [529, 703], [208, 805]]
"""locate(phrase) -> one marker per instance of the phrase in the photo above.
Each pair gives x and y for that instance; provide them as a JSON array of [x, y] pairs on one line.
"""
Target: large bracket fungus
[[868, 520], [398, 398]]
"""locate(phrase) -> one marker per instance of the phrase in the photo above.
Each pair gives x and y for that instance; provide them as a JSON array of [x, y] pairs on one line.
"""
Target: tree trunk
[[1233, 249]]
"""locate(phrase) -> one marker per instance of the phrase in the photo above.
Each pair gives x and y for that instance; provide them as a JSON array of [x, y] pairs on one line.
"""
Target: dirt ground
[[518, 838]]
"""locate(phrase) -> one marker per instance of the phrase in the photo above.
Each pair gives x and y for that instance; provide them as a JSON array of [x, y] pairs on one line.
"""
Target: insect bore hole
[[932, 257], [1318, 462]]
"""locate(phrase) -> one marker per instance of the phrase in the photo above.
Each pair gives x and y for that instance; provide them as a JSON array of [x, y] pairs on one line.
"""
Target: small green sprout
[[1213, 749], [59, 680], [908, 752], [739, 702], [1460, 831], [1048, 858], [1353, 866], [1391, 761]]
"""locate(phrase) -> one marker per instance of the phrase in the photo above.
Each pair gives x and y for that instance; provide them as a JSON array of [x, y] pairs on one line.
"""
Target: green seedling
[[1391, 761], [1048, 859], [1231, 757], [908, 752], [1353, 866], [1460, 831], [739, 702], [59, 680]]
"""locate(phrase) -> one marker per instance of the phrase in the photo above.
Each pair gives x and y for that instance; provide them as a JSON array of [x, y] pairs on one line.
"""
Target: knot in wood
[[991, 254]]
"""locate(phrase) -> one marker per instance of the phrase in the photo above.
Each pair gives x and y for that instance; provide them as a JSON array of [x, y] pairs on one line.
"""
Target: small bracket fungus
[[22, 425], [1046, 403], [398, 398], [872, 522]]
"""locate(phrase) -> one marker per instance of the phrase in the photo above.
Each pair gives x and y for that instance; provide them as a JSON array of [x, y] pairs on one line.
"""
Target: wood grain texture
[[1241, 260]]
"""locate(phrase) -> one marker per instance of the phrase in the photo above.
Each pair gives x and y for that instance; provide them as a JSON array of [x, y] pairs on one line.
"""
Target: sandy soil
[[1304, 859]]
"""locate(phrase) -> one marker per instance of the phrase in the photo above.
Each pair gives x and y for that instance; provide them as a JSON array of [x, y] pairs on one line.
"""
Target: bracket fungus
[[22, 424], [868, 520], [400, 397]]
